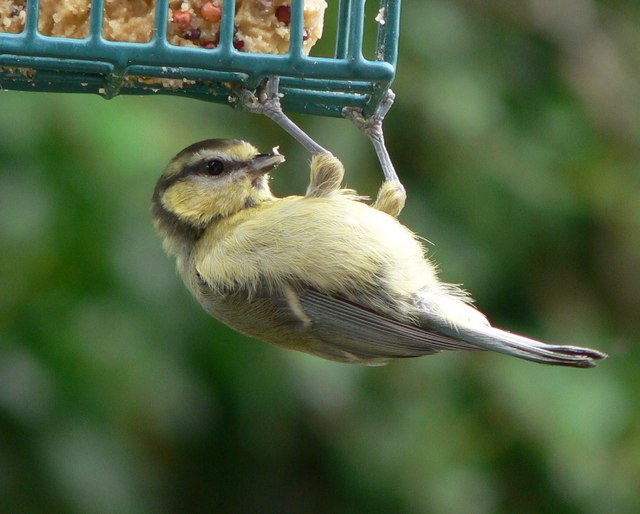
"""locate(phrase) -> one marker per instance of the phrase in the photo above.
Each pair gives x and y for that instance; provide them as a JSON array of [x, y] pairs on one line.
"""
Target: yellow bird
[[322, 273]]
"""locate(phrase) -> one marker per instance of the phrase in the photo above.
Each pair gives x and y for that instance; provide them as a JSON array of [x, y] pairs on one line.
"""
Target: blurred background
[[516, 130]]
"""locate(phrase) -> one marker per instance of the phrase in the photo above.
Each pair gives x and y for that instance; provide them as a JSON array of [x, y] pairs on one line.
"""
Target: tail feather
[[497, 340]]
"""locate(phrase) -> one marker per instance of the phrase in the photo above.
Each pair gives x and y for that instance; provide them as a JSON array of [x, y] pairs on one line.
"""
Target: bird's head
[[208, 181]]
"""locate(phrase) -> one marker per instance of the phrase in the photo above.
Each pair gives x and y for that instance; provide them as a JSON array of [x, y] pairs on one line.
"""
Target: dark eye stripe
[[198, 168]]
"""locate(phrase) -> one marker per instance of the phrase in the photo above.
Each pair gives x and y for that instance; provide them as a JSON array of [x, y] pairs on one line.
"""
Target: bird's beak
[[265, 162]]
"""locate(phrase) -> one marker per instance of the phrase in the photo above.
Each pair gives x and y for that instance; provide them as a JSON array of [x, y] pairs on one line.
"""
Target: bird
[[324, 273]]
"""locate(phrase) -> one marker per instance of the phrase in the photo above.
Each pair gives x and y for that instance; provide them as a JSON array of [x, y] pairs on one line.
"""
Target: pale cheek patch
[[189, 203], [198, 202]]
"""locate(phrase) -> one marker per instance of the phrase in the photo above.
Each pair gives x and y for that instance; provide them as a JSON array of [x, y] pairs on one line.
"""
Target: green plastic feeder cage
[[31, 61]]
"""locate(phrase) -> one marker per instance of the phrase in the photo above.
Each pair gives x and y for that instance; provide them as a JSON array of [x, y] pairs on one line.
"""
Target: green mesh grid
[[30, 61]]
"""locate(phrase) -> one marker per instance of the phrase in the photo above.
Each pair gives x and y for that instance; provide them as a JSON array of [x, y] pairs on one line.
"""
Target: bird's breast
[[334, 245]]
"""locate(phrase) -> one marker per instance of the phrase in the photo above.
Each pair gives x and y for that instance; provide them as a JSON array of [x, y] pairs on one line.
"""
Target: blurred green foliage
[[517, 132]]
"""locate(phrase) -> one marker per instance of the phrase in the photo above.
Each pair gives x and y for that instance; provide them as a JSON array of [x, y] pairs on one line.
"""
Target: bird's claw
[[372, 128], [266, 100]]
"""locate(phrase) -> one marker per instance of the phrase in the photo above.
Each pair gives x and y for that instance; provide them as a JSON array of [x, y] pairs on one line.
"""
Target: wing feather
[[352, 328]]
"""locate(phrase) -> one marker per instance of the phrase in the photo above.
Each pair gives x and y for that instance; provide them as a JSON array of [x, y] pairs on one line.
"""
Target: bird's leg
[[372, 128], [392, 195], [266, 100], [327, 173], [326, 170]]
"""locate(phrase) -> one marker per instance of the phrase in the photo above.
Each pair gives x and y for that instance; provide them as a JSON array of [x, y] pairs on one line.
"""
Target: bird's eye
[[215, 167]]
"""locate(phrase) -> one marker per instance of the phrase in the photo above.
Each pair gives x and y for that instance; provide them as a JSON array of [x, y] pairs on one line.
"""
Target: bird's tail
[[497, 340]]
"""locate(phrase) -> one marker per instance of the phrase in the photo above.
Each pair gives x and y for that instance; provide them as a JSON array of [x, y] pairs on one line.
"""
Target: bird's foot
[[266, 100], [372, 128]]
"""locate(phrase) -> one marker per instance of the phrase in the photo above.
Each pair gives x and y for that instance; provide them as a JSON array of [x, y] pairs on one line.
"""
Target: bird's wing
[[353, 329], [304, 319]]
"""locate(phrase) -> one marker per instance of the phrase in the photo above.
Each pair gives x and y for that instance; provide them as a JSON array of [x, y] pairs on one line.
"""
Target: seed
[[212, 43], [181, 18], [283, 14], [211, 12], [191, 33]]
